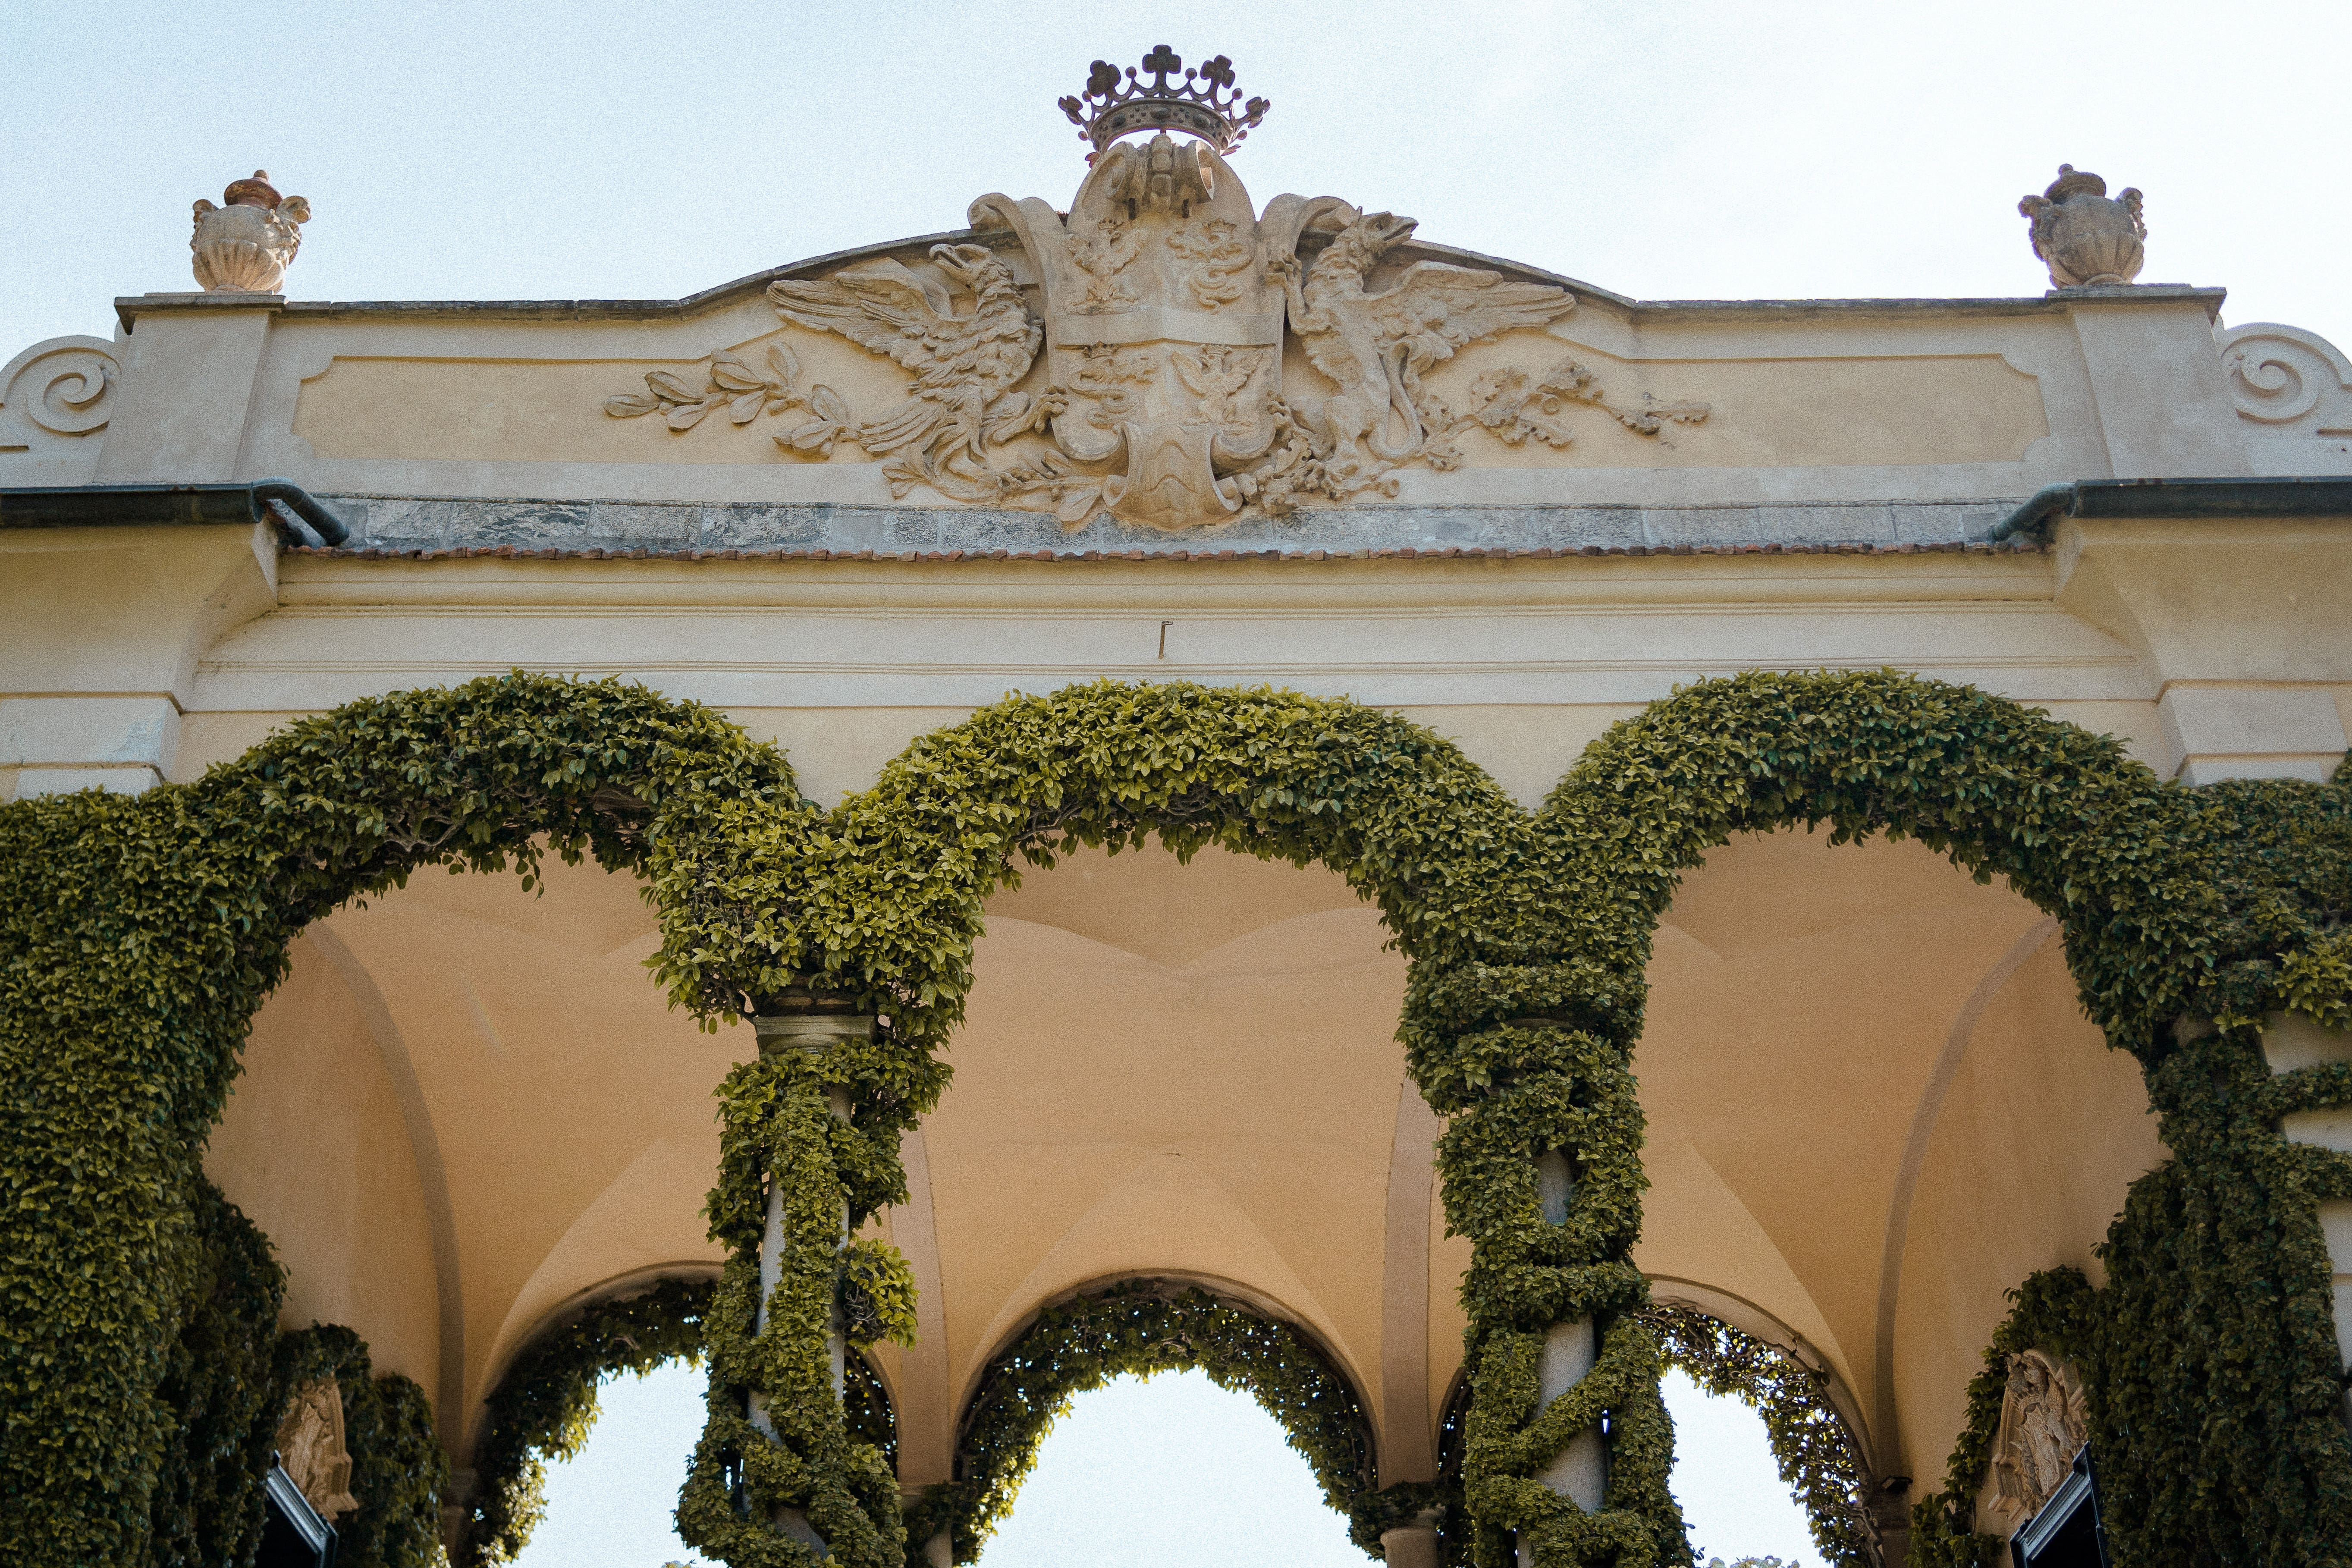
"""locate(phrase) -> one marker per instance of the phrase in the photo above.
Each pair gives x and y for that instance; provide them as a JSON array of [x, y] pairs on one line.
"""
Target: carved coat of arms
[[2042, 1427], [1163, 305], [310, 1446]]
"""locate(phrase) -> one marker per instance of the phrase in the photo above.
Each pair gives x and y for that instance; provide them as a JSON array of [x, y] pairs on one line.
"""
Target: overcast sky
[[1681, 150], [1172, 1473]]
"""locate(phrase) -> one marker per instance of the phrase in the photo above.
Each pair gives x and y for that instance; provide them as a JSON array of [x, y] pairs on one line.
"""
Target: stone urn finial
[[245, 246], [2082, 236]]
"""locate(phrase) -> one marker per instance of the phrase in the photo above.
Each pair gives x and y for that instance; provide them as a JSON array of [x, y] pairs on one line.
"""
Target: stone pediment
[[1162, 360], [1164, 352]]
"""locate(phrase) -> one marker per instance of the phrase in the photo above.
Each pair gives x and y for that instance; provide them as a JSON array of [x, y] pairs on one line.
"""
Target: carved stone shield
[[1163, 335]]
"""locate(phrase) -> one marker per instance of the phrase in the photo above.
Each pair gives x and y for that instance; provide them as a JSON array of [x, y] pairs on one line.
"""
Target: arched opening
[[1873, 1108], [610, 1500], [1140, 1328], [605, 1490], [1168, 1472]]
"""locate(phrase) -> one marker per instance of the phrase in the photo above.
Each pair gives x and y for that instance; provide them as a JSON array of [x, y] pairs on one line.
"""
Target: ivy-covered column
[[1579, 1472], [777, 1480], [1567, 1446]]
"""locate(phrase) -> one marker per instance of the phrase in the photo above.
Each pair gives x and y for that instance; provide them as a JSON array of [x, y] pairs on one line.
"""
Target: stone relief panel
[[1149, 377], [2043, 1425], [310, 1447]]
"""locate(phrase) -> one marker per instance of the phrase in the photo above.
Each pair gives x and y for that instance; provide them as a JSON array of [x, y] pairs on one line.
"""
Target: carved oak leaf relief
[[1167, 304]]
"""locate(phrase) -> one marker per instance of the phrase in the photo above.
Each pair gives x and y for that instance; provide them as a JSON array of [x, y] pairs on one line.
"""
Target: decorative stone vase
[[2083, 237], [245, 247]]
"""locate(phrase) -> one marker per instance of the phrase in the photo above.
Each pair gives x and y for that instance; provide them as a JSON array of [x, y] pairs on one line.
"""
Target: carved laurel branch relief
[[1167, 306]]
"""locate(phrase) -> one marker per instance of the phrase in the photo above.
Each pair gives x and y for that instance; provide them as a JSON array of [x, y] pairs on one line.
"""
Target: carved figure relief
[[2042, 1427], [310, 1447], [2083, 237], [247, 246], [1161, 302]]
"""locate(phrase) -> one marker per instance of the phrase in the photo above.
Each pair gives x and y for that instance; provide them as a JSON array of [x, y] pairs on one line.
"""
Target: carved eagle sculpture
[[964, 365], [1375, 346]]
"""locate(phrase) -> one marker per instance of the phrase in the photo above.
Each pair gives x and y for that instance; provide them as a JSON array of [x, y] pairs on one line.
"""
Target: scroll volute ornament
[[246, 246], [2083, 237], [310, 1447], [2042, 1427]]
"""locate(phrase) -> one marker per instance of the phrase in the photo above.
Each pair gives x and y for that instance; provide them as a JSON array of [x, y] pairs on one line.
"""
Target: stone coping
[[1405, 553], [411, 525], [129, 307]]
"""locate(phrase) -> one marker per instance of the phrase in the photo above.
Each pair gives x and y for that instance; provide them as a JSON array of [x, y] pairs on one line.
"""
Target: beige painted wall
[[315, 1148]]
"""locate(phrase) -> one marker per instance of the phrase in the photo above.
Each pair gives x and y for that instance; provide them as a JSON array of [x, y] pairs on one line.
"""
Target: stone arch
[[2159, 890], [1526, 936], [148, 931], [1084, 1338]]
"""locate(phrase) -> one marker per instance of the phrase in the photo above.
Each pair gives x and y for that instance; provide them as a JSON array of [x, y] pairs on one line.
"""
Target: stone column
[[1412, 1545], [811, 1027], [1580, 1472]]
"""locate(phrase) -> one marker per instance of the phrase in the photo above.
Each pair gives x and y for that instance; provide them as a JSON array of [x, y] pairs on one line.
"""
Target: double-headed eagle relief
[[1127, 356]]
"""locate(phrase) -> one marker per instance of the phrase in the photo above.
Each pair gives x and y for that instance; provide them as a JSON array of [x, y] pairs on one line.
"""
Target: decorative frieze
[[1160, 310]]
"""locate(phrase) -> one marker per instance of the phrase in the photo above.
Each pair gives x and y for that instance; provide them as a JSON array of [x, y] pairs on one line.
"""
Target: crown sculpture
[[1127, 356], [2083, 237], [245, 246], [1204, 104]]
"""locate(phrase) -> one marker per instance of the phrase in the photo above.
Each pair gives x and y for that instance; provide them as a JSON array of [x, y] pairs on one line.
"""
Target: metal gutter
[[112, 506], [2177, 498]]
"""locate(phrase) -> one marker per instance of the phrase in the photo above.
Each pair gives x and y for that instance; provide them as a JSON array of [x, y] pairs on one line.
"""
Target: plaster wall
[[315, 1148]]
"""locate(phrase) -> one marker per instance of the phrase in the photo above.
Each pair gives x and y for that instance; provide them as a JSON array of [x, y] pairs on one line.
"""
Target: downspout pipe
[[106, 506], [2177, 499], [2035, 515]]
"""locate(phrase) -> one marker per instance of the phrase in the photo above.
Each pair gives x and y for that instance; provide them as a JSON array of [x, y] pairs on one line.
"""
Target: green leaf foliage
[[138, 935], [1138, 1329], [544, 1406], [1810, 1445]]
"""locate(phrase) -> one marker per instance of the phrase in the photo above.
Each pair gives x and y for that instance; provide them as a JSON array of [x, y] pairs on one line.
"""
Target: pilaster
[[190, 365]]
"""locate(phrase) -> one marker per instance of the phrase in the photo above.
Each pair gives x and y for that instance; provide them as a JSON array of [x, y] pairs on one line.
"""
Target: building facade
[[1199, 634]]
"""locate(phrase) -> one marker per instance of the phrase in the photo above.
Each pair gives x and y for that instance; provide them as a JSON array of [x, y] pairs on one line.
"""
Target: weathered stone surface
[[1825, 524], [396, 522], [668, 527]]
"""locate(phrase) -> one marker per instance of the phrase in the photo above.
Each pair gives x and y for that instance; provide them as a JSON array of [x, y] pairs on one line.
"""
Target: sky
[[1172, 1473], [1700, 149]]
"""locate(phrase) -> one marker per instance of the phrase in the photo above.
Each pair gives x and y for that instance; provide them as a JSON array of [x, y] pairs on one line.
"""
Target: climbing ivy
[[137, 936], [1810, 1445], [777, 1437], [399, 1472], [2216, 1402], [1139, 1328], [544, 1406], [222, 1390]]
